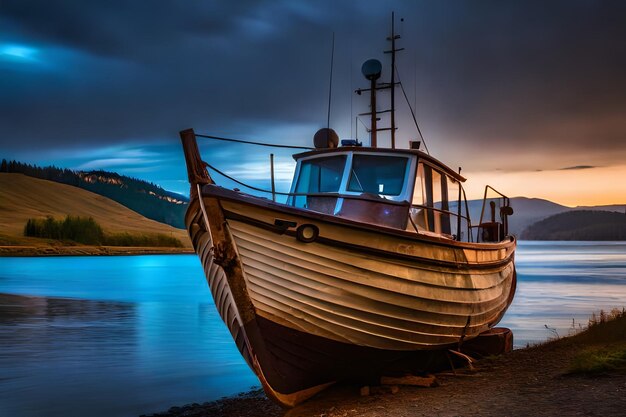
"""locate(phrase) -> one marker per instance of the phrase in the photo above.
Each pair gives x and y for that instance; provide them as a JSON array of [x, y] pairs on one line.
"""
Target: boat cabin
[[397, 188]]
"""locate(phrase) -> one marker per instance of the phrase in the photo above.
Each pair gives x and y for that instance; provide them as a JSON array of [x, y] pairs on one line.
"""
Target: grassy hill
[[147, 199], [23, 197]]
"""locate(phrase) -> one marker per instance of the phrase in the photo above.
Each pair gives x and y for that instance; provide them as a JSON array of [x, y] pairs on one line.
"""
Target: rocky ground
[[528, 382]]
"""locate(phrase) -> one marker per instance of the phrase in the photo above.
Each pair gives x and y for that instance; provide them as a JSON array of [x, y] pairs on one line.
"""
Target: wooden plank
[[326, 257], [412, 380]]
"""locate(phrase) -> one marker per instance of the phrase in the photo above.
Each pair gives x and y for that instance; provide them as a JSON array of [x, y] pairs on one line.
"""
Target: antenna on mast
[[371, 69], [330, 86], [327, 137], [393, 80]]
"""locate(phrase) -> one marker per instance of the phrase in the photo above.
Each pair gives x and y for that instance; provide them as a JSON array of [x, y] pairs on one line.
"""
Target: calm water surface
[[563, 281], [124, 336]]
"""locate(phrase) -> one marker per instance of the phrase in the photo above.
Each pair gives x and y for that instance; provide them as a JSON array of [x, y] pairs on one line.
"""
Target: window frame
[[407, 187], [405, 195], [436, 218]]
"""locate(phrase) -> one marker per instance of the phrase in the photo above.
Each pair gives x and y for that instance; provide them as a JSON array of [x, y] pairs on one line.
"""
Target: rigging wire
[[206, 164], [415, 80], [321, 194], [327, 194], [408, 102], [351, 88], [272, 145], [330, 86]]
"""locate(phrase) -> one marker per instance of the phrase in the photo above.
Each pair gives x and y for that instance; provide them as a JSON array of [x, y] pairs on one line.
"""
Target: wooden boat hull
[[357, 301]]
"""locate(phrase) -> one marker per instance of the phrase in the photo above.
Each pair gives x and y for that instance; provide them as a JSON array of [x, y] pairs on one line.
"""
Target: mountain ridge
[[579, 225]]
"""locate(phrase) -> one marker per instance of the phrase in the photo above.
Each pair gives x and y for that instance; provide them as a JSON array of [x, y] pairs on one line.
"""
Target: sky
[[527, 96]]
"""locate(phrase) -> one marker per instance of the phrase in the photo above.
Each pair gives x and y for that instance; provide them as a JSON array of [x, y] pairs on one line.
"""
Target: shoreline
[[42, 251], [531, 381]]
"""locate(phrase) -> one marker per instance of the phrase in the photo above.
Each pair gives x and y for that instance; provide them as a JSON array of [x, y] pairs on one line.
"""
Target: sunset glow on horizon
[[575, 187]]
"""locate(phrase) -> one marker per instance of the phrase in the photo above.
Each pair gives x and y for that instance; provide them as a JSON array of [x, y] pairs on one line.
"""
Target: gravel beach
[[528, 382]]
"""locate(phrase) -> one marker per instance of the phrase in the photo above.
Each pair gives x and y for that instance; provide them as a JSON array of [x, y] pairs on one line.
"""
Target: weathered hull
[[356, 302]]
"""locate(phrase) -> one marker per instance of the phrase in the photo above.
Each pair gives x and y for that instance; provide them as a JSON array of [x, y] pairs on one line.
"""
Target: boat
[[369, 267]]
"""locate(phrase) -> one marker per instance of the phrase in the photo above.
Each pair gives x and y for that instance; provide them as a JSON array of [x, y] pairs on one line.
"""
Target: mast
[[373, 112], [371, 69], [393, 83]]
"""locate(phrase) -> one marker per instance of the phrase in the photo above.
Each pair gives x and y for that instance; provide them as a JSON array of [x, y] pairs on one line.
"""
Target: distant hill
[[530, 210], [611, 207], [23, 197], [527, 211], [579, 225], [145, 198]]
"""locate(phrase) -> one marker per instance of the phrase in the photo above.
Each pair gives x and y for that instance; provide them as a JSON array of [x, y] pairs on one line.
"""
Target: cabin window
[[431, 201], [320, 175], [440, 202], [454, 197], [380, 175], [418, 212], [419, 192]]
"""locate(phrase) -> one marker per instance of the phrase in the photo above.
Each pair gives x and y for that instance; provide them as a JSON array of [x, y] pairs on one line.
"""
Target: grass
[[600, 360], [606, 338], [151, 240]]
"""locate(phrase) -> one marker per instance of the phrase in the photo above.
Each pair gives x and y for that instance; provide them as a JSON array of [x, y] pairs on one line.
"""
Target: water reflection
[[120, 336], [52, 350], [111, 336]]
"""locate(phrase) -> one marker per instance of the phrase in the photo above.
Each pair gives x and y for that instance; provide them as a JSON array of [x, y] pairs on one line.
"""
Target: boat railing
[[330, 194], [440, 222], [496, 227], [436, 221]]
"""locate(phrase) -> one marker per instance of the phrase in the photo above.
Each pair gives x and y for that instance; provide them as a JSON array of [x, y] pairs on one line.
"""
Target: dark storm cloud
[[120, 28], [528, 79], [117, 71]]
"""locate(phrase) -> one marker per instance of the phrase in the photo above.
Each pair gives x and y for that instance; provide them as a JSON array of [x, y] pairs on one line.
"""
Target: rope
[[254, 143], [412, 112], [353, 197], [206, 164], [349, 197]]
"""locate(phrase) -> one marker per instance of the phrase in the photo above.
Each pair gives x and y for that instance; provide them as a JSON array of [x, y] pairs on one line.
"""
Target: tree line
[[87, 231], [146, 198]]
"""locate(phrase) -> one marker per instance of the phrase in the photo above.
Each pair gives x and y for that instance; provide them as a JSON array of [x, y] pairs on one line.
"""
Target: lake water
[[124, 336]]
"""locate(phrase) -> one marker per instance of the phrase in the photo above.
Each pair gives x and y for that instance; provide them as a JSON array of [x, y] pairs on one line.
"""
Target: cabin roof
[[365, 149]]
